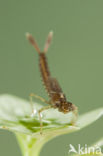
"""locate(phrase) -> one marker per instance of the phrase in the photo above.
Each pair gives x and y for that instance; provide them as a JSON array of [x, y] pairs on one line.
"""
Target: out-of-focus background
[[75, 59]]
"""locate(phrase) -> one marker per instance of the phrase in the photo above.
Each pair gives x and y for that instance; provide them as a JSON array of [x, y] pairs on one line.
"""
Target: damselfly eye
[[57, 104]]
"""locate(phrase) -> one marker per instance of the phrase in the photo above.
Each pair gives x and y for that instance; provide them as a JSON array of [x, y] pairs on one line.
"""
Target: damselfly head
[[66, 107]]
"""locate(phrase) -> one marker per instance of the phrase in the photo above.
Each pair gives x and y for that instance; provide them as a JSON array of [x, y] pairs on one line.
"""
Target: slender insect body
[[45, 74], [57, 97]]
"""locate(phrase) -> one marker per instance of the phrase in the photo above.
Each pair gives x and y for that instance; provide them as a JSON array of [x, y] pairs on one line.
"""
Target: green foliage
[[16, 116]]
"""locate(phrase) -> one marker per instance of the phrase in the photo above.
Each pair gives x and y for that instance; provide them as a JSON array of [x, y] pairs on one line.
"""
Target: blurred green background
[[75, 59]]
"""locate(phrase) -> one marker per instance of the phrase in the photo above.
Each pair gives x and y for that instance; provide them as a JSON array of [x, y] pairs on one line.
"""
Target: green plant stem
[[31, 146]]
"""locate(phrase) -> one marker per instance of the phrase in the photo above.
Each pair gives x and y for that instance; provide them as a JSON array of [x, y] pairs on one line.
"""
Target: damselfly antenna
[[33, 42], [48, 41]]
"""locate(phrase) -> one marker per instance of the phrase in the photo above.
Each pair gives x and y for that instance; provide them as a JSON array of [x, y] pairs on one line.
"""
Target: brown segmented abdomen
[[45, 74], [51, 84]]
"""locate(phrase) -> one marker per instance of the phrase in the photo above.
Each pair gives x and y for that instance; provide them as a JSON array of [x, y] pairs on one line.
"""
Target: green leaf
[[16, 116]]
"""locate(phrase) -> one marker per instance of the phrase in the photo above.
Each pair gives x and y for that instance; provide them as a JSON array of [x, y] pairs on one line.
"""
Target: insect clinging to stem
[[57, 97]]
